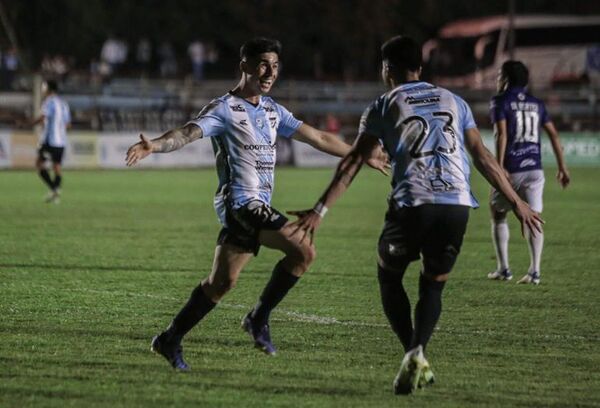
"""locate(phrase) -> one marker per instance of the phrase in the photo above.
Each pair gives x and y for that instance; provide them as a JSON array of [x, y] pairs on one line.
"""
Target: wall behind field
[[93, 150]]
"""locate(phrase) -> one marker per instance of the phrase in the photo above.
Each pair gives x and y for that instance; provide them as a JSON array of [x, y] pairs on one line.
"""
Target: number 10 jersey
[[421, 127], [524, 114]]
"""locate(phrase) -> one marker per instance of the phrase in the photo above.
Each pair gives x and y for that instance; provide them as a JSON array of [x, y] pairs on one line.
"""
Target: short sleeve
[[544, 115], [497, 110], [371, 121], [211, 119], [67, 113], [465, 114], [288, 124]]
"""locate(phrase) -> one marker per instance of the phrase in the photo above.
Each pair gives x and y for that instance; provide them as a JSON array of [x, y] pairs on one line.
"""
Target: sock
[[194, 310], [278, 286], [396, 305], [57, 181], [428, 310], [536, 244], [46, 177], [500, 235]]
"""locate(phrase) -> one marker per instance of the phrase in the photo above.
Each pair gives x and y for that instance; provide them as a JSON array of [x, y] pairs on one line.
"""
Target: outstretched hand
[[307, 223], [529, 219], [380, 161], [138, 151]]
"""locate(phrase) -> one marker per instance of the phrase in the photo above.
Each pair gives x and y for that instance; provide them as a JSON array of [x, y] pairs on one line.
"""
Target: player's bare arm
[[170, 141], [501, 139], [488, 166], [562, 175], [332, 144], [366, 148]]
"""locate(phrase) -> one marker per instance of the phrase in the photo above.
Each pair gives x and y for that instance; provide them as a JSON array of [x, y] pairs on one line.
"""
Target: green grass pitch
[[87, 283]]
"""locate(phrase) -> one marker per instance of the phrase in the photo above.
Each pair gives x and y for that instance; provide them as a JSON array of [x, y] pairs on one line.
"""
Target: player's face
[[262, 71], [501, 82]]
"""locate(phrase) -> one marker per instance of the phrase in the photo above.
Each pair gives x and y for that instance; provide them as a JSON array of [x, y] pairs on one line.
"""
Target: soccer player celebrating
[[517, 117], [56, 117], [243, 126], [426, 131]]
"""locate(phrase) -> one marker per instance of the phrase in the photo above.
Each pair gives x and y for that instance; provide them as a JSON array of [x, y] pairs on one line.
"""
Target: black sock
[[46, 177], [194, 310], [396, 304], [57, 180], [428, 310], [278, 286]]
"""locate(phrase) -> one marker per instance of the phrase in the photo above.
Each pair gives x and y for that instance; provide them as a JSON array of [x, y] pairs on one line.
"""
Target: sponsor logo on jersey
[[269, 108], [237, 108], [273, 122], [411, 100], [244, 122], [259, 123], [261, 147]]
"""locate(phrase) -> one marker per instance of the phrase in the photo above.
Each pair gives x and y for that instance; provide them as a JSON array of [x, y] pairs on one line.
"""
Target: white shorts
[[529, 185]]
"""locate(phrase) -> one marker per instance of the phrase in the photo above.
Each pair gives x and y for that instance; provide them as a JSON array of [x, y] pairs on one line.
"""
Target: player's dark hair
[[515, 73], [259, 45], [52, 85], [402, 53]]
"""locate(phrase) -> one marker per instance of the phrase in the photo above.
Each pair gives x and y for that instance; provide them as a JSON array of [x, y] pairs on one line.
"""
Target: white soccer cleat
[[531, 277], [53, 197], [503, 274], [409, 376]]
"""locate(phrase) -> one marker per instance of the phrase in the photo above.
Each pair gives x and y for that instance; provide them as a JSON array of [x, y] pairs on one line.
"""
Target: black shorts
[[245, 223], [55, 153], [434, 231]]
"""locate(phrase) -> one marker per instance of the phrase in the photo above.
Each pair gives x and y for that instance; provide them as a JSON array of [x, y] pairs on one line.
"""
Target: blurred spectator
[[168, 63], [55, 67], [114, 53], [9, 63], [143, 56], [593, 65], [197, 54], [332, 124]]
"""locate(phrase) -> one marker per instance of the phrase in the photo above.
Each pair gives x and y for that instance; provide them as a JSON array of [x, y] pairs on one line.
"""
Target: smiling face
[[260, 72]]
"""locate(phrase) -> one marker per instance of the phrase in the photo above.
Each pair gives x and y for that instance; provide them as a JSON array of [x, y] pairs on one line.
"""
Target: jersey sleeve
[[544, 115], [371, 121], [288, 124], [464, 113], [67, 113], [211, 119], [497, 110], [46, 108]]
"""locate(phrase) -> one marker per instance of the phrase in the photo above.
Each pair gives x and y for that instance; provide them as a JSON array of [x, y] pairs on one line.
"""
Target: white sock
[[536, 244], [500, 235]]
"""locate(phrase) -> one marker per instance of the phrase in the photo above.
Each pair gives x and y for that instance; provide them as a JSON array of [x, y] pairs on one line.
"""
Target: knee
[[303, 258], [432, 277], [217, 288]]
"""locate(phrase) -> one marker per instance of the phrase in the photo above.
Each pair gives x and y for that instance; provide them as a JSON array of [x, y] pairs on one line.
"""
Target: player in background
[[426, 131], [56, 117], [517, 117], [243, 126]]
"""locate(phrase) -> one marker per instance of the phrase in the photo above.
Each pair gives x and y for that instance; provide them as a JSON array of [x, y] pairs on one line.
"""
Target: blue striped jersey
[[422, 127], [244, 139], [57, 116]]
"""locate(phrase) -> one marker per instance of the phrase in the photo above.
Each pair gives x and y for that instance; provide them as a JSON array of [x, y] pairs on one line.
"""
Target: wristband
[[320, 209]]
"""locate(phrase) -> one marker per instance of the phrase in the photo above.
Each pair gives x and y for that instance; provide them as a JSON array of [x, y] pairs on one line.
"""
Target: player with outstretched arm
[[426, 131]]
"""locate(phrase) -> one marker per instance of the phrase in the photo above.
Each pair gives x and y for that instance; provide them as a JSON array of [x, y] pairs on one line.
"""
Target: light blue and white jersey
[[244, 139], [422, 128], [57, 117]]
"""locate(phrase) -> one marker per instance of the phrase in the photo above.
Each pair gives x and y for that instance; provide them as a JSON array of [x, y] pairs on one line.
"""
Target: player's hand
[[138, 151], [380, 161], [529, 219], [307, 223], [563, 177]]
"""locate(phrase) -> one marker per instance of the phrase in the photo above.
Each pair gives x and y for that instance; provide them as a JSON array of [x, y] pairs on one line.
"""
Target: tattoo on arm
[[177, 138]]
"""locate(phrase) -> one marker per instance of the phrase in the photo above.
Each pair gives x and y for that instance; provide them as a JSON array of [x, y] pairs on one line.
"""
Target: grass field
[[87, 283]]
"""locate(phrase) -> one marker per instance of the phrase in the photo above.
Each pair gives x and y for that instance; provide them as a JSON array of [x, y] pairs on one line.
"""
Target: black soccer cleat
[[172, 351]]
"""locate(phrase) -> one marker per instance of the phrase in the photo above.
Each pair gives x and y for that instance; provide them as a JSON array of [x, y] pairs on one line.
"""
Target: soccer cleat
[[170, 350], [503, 274], [53, 197], [260, 334], [411, 373], [531, 277]]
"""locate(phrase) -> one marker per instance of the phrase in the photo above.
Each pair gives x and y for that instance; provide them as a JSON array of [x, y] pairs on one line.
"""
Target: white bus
[[468, 53]]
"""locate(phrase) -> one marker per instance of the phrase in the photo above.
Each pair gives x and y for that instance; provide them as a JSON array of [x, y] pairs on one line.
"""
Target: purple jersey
[[524, 115]]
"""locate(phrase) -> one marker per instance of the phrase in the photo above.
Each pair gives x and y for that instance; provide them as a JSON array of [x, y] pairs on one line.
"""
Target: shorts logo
[[393, 250]]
